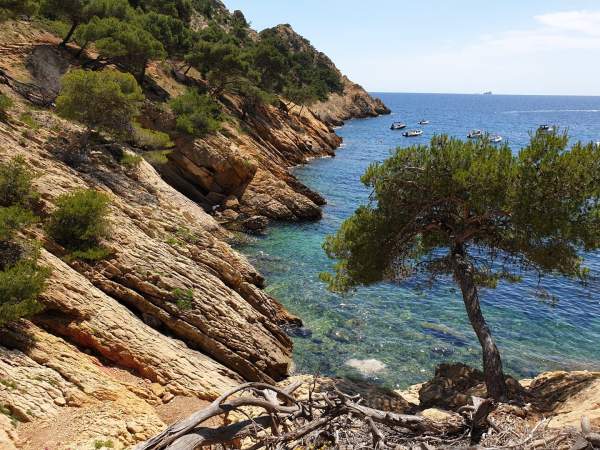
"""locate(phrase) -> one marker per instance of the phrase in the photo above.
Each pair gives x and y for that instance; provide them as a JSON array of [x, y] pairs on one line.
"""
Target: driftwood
[[275, 419], [287, 422]]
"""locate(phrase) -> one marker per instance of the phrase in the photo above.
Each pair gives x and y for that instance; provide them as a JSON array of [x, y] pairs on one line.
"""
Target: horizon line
[[482, 94]]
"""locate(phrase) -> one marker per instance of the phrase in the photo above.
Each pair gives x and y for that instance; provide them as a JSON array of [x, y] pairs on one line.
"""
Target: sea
[[396, 334]]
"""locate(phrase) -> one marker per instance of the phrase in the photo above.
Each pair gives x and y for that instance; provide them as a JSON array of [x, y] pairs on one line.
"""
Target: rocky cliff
[[114, 356], [248, 164], [353, 102]]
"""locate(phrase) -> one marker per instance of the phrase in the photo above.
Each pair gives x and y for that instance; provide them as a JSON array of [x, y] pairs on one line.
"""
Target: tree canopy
[[197, 114], [13, 8], [103, 101], [477, 212], [130, 33]]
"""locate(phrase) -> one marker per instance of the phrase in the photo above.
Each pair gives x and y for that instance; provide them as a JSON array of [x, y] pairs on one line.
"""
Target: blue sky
[[463, 46]]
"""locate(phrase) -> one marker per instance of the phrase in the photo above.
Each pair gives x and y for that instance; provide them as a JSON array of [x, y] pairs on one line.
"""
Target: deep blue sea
[[408, 328]]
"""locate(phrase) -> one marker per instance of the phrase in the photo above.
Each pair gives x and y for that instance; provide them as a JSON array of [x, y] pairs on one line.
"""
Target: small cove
[[408, 329]]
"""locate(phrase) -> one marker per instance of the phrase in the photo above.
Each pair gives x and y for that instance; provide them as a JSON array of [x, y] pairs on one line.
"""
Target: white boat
[[475, 134], [597, 144], [398, 126], [423, 122], [496, 139], [546, 128], [412, 133]]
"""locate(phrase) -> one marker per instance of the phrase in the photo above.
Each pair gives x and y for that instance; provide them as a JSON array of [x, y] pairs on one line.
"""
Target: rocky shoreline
[[115, 357]]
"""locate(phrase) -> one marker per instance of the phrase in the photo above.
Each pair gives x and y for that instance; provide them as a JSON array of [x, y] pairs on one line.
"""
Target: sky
[[451, 46]]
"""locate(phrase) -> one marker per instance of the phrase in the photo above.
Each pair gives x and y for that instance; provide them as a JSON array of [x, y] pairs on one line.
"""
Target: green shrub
[[151, 139], [93, 254], [20, 286], [13, 219], [103, 101], [28, 119], [13, 8], [103, 444], [80, 220], [5, 104], [184, 298], [57, 27], [157, 157], [130, 160], [197, 114], [16, 183]]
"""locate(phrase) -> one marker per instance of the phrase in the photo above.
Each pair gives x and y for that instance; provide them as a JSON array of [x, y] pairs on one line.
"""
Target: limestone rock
[[450, 387], [567, 396], [8, 434], [256, 223], [353, 102]]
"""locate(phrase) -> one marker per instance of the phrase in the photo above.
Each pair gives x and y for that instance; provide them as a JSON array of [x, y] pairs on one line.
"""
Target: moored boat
[[475, 134], [423, 122], [496, 139], [546, 128], [412, 133], [398, 126]]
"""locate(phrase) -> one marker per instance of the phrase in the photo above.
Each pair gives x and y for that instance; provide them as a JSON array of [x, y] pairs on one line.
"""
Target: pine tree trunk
[[492, 364], [69, 35], [142, 74], [81, 50]]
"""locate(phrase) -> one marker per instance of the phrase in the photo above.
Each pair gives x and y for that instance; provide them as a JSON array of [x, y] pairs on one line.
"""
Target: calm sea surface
[[409, 328]]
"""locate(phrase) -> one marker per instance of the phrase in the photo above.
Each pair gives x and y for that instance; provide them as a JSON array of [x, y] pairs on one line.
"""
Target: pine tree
[[475, 212]]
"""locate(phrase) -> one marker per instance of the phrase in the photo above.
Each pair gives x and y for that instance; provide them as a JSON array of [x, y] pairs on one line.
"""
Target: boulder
[[256, 223]]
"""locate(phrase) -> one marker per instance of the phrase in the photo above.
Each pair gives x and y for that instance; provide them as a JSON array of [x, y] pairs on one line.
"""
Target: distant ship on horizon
[[488, 93]]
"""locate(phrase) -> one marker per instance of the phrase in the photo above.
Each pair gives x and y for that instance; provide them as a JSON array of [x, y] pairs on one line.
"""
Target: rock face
[[115, 342], [252, 160], [353, 103], [253, 166], [568, 396]]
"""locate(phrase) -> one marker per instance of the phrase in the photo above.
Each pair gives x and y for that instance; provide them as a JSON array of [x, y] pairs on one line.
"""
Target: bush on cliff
[[16, 183], [197, 114], [21, 279], [476, 212], [5, 104], [103, 101], [20, 286], [80, 220]]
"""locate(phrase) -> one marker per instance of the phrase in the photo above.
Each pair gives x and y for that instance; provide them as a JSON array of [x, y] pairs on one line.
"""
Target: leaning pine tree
[[477, 212]]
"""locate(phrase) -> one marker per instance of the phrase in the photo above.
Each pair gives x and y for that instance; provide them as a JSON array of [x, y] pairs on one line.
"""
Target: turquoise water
[[411, 329]]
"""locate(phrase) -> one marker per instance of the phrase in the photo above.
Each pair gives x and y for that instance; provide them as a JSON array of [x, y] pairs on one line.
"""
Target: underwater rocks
[[367, 367]]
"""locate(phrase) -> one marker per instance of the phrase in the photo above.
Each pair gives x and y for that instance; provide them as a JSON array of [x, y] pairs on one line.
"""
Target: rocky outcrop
[[353, 103], [568, 396], [454, 384], [250, 159], [252, 166]]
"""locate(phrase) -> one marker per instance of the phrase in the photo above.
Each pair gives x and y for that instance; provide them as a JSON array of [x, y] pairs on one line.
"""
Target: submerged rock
[[367, 367]]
